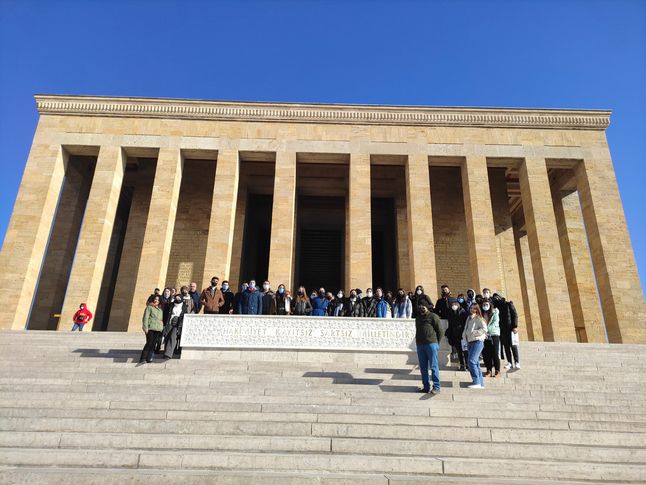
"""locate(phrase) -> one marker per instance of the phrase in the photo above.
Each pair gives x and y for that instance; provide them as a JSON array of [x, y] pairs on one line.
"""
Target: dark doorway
[[320, 242], [384, 243], [257, 232]]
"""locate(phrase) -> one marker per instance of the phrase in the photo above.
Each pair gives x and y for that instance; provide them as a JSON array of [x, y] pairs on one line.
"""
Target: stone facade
[[475, 202]]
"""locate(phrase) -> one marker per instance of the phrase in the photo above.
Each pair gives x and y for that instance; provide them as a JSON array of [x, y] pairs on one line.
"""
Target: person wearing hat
[[427, 338]]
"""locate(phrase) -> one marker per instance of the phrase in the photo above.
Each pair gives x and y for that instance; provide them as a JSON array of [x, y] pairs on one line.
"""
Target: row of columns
[[614, 265]]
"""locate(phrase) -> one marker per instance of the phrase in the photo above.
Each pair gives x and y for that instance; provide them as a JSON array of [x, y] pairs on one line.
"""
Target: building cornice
[[64, 105]]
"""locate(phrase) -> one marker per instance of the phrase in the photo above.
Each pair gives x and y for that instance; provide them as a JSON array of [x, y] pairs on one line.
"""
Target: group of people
[[479, 325]]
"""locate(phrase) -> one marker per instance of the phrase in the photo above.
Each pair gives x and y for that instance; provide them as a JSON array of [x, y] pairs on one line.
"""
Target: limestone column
[[238, 235], [578, 267], [358, 257], [421, 243], [532, 322], [403, 266], [506, 246], [483, 255], [88, 267], [547, 261], [622, 298], [283, 221], [223, 211], [158, 236], [29, 227]]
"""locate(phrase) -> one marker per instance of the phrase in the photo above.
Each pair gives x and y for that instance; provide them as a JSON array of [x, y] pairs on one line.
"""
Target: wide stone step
[[312, 462], [216, 443]]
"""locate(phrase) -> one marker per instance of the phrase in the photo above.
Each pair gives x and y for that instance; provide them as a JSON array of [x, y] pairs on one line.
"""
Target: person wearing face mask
[[462, 301], [402, 307], [470, 299], [427, 338], [369, 304], [251, 301], [188, 299], [335, 305], [227, 294], [457, 318], [212, 298], [320, 304], [475, 332], [173, 326], [354, 305], [383, 307], [442, 304], [165, 302], [491, 352], [420, 298], [237, 298], [267, 298], [280, 304], [301, 304]]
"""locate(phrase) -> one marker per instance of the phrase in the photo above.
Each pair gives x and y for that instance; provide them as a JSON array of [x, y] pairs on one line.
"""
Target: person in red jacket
[[81, 317]]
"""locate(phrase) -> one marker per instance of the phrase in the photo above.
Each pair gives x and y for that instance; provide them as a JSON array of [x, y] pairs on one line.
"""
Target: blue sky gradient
[[552, 54]]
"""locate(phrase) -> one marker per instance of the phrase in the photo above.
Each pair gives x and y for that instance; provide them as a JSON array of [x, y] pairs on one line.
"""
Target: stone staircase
[[76, 408]]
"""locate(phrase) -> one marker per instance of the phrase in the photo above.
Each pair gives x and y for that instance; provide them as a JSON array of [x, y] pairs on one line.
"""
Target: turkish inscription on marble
[[293, 332]]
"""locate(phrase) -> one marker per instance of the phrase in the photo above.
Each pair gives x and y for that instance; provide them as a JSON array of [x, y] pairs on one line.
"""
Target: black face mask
[[321, 294]]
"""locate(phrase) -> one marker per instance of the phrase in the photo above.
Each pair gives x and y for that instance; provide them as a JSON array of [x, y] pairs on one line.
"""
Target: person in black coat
[[508, 325], [229, 298], [442, 305], [238, 297], [421, 298], [457, 317], [173, 326], [354, 305]]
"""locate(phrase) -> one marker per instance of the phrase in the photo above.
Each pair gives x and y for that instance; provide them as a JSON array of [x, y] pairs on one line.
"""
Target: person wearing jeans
[[427, 338], [152, 325], [475, 332]]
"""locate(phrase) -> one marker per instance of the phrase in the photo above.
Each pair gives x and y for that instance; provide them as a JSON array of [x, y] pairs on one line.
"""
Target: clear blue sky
[[552, 54]]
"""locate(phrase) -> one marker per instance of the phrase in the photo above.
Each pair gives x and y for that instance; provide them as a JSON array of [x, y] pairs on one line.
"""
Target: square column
[[613, 259], [223, 211], [578, 267], [88, 267], [158, 236], [283, 221], [358, 247], [238, 236], [483, 254], [403, 266], [532, 321], [547, 260], [28, 231], [421, 243]]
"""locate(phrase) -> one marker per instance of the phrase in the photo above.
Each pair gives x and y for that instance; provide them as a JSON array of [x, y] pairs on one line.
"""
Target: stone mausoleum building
[[122, 195]]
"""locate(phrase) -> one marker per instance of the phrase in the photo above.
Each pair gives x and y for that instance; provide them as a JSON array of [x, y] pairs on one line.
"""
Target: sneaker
[[421, 389], [508, 366], [476, 386], [435, 391], [517, 365]]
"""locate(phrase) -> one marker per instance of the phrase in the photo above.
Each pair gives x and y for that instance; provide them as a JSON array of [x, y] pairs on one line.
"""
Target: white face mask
[[455, 307], [487, 295], [485, 307], [339, 295], [369, 294], [225, 287], [265, 287], [419, 292]]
